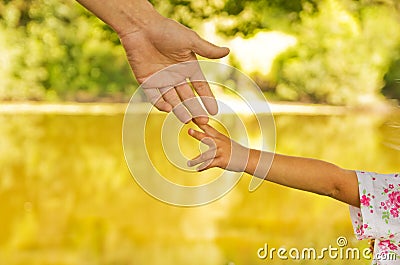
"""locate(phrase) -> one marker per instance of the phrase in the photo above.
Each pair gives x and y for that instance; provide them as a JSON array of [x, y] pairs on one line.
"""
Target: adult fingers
[[170, 96], [211, 51], [203, 90], [156, 99], [192, 104]]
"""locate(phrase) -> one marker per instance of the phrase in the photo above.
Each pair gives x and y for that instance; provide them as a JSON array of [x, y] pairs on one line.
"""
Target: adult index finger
[[191, 103], [203, 89]]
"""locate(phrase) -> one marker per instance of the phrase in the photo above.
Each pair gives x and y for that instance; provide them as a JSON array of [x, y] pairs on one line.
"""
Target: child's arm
[[295, 172]]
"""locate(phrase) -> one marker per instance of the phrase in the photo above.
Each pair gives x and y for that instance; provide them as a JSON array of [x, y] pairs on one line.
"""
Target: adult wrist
[[135, 16]]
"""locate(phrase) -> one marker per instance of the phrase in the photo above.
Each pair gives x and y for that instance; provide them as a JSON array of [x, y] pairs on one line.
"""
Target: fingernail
[[188, 163], [190, 131]]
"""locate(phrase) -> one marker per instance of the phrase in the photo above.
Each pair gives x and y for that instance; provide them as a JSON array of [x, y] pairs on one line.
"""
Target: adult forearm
[[124, 16], [306, 174]]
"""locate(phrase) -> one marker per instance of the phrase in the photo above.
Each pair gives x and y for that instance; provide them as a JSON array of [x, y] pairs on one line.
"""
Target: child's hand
[[223, 152]]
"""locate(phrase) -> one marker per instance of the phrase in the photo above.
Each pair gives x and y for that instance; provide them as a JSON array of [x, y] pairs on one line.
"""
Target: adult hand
[[161, 45], [152, 43]]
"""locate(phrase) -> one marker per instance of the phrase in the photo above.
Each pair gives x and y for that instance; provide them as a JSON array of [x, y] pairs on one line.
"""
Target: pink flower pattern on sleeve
[[379, 215]]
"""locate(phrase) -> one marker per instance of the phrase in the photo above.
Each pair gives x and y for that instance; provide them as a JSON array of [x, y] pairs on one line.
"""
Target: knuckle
[[170, 96], [185, 95], [201, 86], [217, 162], [161, 108]]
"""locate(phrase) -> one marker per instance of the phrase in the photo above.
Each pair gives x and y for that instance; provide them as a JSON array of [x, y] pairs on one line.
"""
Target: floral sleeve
[[378, 215]]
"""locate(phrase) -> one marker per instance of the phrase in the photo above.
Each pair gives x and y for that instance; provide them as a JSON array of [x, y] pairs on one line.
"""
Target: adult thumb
[[207, 49]]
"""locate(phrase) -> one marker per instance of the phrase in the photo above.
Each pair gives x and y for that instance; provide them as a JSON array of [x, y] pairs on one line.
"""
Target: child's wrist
[[259, 163], [252, 161]]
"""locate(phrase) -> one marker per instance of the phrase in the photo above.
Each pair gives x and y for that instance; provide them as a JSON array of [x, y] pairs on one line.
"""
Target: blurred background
[[67, 196]]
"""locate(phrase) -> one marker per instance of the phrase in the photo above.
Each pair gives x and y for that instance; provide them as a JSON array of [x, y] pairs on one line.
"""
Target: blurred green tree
[[57, 50], [344, 47], [392, 80], [342, 55], [346, 50]]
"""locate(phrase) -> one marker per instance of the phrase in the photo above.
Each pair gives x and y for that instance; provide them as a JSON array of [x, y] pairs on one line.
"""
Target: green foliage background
[[347, 52], [57, 50]]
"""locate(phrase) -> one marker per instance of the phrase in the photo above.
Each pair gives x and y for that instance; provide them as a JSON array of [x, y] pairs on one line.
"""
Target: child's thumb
[[208, 50]]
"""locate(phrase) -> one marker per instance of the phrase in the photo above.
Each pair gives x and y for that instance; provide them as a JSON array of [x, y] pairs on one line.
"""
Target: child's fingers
[[208, 130], [196, 134], [203, 166], [206, 156], [206, 165], [209, 142]]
